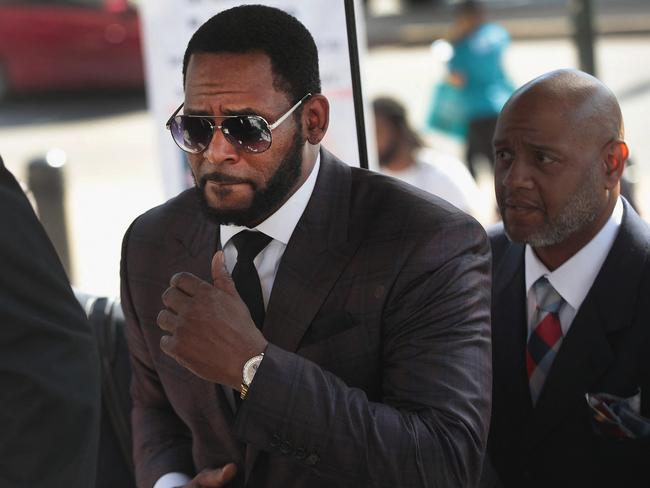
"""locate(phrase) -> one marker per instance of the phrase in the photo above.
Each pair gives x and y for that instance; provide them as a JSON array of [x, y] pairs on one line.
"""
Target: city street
[[112, 174]]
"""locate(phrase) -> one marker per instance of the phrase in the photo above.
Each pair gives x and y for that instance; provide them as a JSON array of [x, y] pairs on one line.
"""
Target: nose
[[220, 151], [515, 175]]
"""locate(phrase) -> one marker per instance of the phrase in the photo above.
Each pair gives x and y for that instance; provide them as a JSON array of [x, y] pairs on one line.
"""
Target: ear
[[316, 118], [616, 154]]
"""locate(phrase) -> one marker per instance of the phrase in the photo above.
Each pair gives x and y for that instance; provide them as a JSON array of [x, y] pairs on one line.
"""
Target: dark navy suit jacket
[[607, 349]]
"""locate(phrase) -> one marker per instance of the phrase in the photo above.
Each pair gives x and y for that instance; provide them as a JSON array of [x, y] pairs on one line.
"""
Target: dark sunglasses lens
[[249, 132], [192, 134]]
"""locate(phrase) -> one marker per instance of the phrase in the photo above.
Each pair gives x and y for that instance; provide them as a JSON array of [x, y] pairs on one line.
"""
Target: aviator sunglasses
[[251, 133]]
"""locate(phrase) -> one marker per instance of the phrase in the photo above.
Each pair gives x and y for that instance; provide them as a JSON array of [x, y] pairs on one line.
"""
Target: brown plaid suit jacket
[[378, 369]]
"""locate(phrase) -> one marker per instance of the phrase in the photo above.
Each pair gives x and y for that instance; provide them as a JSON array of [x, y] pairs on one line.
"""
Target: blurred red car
[[48, 45]]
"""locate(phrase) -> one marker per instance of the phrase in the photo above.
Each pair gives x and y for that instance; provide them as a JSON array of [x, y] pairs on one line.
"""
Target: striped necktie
[[545, 340]]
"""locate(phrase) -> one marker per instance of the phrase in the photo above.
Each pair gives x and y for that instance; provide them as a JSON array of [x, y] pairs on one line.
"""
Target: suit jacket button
[[275, 440], [312, 459], [285, 448]]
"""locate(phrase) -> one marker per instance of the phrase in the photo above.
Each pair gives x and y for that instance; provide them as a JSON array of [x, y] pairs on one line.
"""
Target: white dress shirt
[[279, 227], [573, 279]]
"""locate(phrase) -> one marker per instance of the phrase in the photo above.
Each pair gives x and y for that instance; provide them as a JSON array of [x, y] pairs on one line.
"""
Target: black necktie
[[249, 244]]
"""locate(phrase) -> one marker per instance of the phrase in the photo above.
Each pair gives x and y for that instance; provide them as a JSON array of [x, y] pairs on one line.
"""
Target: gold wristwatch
[[250, 368]]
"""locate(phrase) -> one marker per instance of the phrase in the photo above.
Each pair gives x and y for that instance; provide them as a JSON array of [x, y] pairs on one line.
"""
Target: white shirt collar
[[281, 224], [573, 279]]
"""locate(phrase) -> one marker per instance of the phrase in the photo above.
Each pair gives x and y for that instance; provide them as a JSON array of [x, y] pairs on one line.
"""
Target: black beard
[[265, 201]]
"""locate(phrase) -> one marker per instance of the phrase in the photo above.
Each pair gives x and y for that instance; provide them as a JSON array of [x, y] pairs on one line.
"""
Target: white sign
[[168, 26]]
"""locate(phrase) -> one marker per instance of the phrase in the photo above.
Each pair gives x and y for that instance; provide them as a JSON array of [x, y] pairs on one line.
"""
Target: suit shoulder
[[498, 239], [12, 197], [157, 221], [388, 212], [387, 197]]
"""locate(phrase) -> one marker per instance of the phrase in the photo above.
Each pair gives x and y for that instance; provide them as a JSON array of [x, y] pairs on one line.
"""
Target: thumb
[[216, 478], [220, 276]]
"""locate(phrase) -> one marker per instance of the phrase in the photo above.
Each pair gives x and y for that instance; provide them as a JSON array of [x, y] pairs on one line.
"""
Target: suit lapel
[[585, 354], [511, 394], [318, 251]]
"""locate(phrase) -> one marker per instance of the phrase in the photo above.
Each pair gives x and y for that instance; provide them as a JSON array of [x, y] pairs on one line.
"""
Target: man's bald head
[[588, 101]]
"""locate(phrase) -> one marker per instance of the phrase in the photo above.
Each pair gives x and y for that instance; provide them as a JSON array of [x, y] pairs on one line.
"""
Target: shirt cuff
[[172, 480]]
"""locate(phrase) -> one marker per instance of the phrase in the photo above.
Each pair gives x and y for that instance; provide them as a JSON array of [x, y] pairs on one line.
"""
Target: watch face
[[250, 368]]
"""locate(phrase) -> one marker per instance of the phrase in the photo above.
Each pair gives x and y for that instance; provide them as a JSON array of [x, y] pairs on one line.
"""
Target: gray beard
[[581, 210]]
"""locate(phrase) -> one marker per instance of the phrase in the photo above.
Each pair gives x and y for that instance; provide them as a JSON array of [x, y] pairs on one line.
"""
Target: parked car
[[49, 45]]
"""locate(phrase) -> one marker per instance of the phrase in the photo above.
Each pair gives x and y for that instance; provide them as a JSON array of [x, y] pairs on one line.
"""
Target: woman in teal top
[[476, 68]]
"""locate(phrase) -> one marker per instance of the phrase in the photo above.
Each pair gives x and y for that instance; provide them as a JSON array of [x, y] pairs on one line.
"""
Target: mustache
[[222, 178], [520, 199]]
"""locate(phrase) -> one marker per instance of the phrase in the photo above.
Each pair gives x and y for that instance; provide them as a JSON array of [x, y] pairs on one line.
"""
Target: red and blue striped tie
[[545, 340]]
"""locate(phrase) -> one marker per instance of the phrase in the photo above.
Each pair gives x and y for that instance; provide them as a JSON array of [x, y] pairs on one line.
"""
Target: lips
[[224, 183], [219, 183], [222, 179], [521, 204]]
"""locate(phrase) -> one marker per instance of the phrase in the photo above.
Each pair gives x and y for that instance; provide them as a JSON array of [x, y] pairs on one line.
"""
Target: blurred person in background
[[402, 155], [49, 367], [476, 69], [570, 308], [294, 321]]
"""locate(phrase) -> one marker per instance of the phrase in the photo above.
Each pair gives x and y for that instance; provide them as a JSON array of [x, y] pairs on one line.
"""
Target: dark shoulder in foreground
[[12, 197]]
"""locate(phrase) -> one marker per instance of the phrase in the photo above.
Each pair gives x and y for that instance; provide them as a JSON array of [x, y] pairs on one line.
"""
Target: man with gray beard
[[570, 308]]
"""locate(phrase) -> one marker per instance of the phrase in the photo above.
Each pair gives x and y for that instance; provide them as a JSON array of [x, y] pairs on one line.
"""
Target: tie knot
[[249, 243], [548, 299]]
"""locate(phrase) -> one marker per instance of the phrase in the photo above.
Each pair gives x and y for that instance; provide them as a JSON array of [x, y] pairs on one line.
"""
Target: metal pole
[[353, 47], [583, 23]]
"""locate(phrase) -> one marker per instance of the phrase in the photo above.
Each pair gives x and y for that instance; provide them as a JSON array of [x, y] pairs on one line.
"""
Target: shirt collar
[[281, 224], [573, 279]]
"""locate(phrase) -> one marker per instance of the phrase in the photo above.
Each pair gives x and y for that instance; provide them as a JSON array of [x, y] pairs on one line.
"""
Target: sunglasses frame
[[224, 130]]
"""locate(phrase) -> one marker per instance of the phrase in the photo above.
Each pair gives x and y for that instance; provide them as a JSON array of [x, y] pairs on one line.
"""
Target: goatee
[[265, 201]]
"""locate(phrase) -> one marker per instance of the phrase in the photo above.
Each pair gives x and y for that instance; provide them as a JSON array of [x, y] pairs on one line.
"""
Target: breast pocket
[[346, 352]]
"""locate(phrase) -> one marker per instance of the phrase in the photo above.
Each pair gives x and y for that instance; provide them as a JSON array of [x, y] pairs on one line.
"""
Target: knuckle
[[167, 344], [179, 278], [165, 296], [205, 287], [163, 318], [180, 332]]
